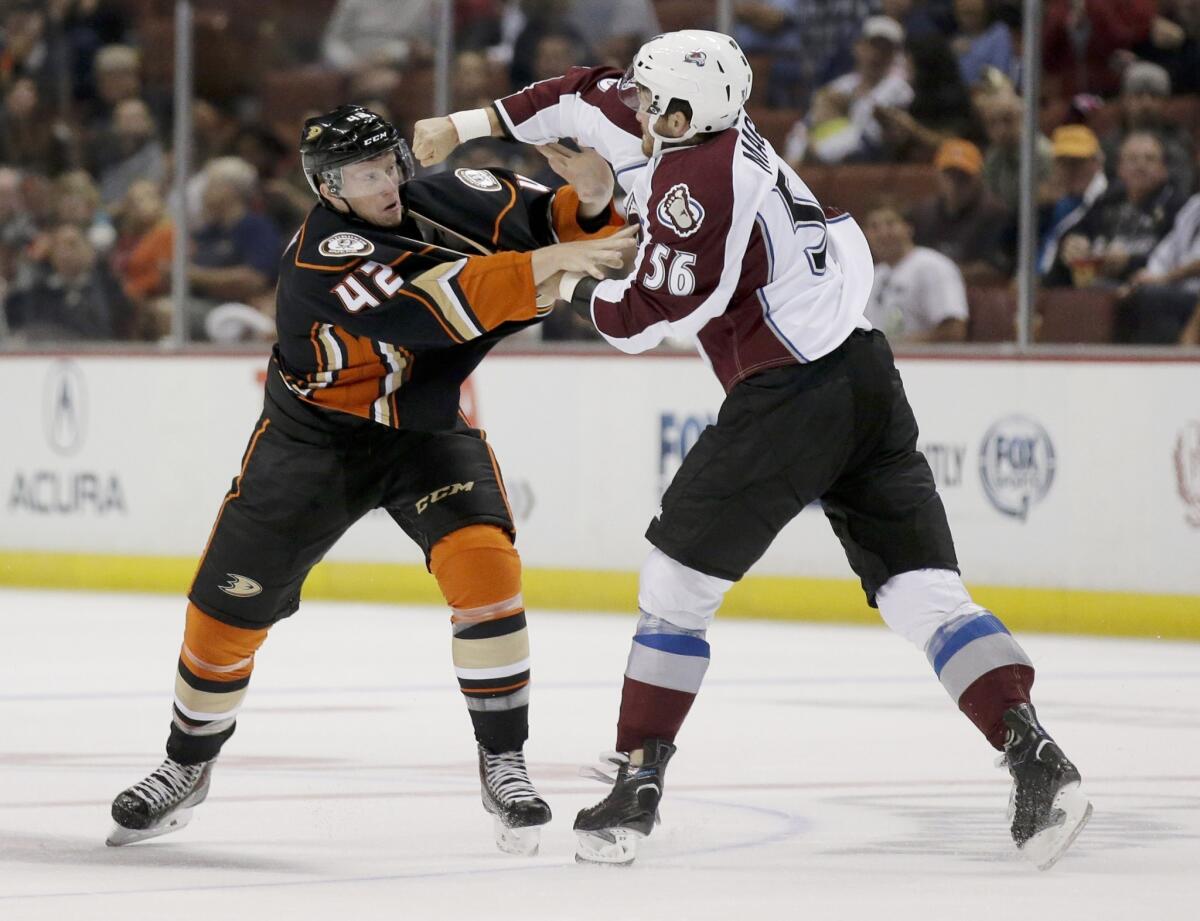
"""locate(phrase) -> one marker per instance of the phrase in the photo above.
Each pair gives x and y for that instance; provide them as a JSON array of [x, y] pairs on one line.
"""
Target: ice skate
[[160, 804], [609, 832], [1047, 808], [509, 795]]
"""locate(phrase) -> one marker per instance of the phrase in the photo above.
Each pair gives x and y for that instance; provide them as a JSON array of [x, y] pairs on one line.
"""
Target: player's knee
[[915, 604], [679, 594], [216, 651], [477, 567]]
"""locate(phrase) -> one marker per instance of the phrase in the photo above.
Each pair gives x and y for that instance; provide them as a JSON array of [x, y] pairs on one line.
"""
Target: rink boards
[[1073, 487]]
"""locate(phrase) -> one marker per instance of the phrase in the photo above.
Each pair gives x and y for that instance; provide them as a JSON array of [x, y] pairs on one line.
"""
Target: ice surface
[[824, 774]]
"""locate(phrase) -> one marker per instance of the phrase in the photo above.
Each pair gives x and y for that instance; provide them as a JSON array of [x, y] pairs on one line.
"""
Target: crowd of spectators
[[908, 111]]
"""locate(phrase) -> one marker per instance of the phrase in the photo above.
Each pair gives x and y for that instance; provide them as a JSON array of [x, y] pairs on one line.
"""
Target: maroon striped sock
[[650, 712], [989, 695]]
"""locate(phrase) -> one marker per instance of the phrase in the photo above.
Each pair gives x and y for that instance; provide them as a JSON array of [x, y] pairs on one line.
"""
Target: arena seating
[[1076, 315]]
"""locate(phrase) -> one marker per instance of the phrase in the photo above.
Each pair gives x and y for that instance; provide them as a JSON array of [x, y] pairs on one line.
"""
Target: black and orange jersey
[[386, 323]]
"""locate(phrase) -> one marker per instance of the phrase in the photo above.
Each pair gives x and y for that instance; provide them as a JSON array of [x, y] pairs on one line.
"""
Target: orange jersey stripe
[[512, 200], [499, 288], [507, 687], [312, 265], [233, 494]]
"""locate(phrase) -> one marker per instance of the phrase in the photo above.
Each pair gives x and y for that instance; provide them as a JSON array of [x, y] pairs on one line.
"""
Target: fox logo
[[240, 586], [679, 211], [699, 58]]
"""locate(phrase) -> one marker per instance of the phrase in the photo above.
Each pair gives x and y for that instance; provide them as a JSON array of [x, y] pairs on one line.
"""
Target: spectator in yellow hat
[[1114, 239], [963, 221], [1080, 180]]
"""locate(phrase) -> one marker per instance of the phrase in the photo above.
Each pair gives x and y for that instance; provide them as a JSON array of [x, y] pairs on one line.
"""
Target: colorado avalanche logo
[[699, 58], [679, 211]]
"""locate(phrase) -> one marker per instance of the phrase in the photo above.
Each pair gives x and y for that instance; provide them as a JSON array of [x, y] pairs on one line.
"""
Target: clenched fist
[[434, 139]]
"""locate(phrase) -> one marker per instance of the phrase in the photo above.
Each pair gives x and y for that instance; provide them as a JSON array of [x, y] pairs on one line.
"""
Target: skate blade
[[120, 835], [613, 846], [1046, 847], [523, 842]]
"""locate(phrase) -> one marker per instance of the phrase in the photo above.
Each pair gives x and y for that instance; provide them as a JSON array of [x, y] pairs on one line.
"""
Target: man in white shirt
[[918, 295], [877, 81]]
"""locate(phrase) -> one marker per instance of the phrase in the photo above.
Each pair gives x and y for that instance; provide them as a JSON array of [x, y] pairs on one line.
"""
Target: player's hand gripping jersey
[[735, 251], [386, 324]]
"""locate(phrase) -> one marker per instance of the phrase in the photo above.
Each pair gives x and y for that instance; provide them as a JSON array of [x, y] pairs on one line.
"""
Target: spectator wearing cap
[[1082, 37], [1114, 239], [1080, 181], [981, 42], [1161, 298], [1002, 113], [877, 82], [918, 294], [963, 221], [1145, 89]]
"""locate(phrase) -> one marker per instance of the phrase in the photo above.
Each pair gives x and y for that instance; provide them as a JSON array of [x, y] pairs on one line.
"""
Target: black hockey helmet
[[348, 134]]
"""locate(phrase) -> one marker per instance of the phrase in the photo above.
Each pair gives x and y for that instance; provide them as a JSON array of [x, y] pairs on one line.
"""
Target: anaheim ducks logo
[[240, 586], [679, 211], [480, 179], [314, 132], [346, 244]]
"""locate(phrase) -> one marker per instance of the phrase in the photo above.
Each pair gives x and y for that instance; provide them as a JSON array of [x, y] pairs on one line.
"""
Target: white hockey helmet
[[707, 70]]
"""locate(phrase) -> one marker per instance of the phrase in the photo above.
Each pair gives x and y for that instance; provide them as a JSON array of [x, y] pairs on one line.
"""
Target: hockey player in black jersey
[[738, 255], [389, 295]]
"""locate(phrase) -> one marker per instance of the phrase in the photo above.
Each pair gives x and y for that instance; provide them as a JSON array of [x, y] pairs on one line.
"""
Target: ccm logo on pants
[[439, 494]]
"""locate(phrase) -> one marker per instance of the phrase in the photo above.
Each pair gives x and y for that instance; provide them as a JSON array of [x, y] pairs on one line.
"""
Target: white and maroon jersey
[[735, 251]]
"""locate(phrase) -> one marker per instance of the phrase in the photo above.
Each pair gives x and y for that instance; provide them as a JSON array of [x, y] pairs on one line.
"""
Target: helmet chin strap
[[661, 140]]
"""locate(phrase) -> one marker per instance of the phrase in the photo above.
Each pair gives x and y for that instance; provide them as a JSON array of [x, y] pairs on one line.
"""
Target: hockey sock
[[214, 671], [982, 668], [665, 669], [479, 573]]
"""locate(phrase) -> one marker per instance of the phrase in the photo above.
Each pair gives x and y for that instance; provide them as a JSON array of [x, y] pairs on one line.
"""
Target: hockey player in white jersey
[[736, 253]]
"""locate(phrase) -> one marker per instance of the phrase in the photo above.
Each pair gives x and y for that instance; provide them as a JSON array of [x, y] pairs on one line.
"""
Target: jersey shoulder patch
[[680, 211], [480, 179], [345, 243]]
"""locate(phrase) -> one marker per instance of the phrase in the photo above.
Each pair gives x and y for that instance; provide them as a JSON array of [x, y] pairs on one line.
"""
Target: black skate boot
[[609, 831], [509, 795], [160, 804], [1047, 808]]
